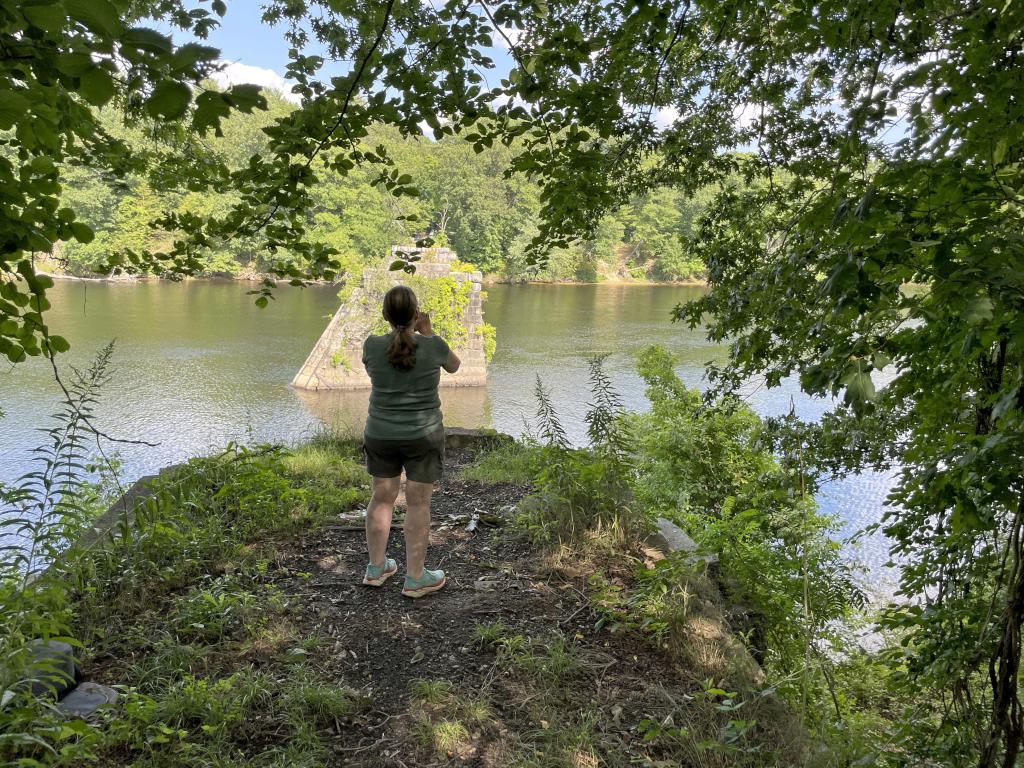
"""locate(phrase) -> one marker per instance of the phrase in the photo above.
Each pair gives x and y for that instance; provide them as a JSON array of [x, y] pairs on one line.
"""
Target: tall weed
[[580, 490]]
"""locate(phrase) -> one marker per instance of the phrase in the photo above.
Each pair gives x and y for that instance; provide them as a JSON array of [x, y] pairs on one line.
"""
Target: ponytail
[[399, 309], [402, 352]]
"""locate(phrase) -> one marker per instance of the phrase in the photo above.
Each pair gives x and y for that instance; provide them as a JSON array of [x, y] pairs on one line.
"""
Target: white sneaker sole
[[379, 581], [422, 591]]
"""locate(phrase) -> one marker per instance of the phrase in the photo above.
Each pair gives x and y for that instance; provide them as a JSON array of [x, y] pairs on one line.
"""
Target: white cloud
[[498, 37], [744, 114], [665, 116], [424, 126], [501, 99], [236, 73]]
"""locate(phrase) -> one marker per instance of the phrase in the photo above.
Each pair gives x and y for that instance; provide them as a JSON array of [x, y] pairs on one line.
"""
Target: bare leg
[[378, 517], [417, 525]]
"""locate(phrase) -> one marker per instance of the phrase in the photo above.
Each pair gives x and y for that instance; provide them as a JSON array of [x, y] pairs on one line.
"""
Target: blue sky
[[243, 37]]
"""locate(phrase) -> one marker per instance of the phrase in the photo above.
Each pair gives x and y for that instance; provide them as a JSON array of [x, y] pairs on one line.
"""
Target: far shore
[[255, 278]]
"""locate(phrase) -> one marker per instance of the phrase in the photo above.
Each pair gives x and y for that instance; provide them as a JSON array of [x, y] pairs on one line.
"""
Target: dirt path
[[385, 641]]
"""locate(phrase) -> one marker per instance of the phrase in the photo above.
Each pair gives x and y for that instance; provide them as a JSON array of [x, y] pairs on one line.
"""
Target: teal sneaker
[[376, 575], [430, 581]]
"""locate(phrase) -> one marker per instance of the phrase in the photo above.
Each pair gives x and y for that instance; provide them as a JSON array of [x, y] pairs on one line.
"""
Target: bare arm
[[452, 363], [423, 327]]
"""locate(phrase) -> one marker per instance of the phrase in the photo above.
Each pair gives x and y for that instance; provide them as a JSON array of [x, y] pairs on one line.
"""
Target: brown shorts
[[421, 457]]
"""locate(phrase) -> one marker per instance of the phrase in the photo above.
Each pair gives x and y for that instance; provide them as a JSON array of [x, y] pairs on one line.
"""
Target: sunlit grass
[[431, 692], [516, 463]]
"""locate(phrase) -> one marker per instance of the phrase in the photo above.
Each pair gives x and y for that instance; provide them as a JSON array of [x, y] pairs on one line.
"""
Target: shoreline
[[488, 280]]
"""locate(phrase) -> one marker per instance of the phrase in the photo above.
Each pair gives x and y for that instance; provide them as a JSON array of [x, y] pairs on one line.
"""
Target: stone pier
[[336, 360]]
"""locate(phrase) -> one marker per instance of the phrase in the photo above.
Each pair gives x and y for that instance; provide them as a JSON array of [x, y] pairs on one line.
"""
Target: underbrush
[[780, 611], [175, 602]]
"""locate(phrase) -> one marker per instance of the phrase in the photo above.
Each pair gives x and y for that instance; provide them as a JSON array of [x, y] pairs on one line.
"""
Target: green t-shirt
[[404, 404]]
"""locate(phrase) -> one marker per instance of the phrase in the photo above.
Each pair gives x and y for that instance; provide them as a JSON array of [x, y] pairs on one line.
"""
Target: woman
[[404, 430]]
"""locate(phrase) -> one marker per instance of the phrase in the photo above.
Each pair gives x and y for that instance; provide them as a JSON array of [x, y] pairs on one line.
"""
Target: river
[[197, 364]]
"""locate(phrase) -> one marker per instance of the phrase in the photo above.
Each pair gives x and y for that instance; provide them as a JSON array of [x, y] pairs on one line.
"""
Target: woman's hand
[[422, 325]]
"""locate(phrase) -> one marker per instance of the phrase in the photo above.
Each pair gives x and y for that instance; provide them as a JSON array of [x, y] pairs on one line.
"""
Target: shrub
[[704, 465]]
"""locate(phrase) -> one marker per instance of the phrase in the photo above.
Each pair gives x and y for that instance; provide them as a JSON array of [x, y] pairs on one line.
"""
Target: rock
[[335, 361], [671, 538], [53, 668], [86, 699]]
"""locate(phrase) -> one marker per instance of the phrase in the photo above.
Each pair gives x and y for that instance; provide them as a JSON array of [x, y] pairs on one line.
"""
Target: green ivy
[[444, 298]]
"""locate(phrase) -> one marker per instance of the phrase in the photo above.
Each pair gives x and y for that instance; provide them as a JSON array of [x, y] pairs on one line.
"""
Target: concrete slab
[[84, 700]]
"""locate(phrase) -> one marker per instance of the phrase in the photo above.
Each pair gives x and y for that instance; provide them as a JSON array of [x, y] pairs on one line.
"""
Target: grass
[[561, 701], [489, 634], [220, 670], [441, 717], [431, 692], [329, 473], [444, 738], [177, 608], [516, 463]]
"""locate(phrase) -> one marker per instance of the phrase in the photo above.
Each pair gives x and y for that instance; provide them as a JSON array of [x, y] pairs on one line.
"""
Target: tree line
[[465, 201]]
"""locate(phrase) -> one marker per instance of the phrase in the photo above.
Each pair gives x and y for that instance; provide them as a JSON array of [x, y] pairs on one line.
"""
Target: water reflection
[[344, 411]]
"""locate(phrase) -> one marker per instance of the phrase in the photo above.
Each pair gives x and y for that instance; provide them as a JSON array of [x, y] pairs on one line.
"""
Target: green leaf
[[978, 310], [187, 56], [170, 100], [16, 353], [75, 64], [842, 279], [1005, 403], [860, 389], [82, 232], [97, 86], [50, 17], [999, 153], [219, 7], [211, 108], [148, 40], [99, 16], [397, 265], [262, 302], [246, 97], [13, 106], [966, 518], [59, 344]]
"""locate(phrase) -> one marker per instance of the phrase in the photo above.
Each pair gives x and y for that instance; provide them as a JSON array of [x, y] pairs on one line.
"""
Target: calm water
[[197, 365]]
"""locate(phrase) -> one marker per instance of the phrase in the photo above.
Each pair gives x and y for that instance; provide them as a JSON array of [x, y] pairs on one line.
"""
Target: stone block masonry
[[336, 360]]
